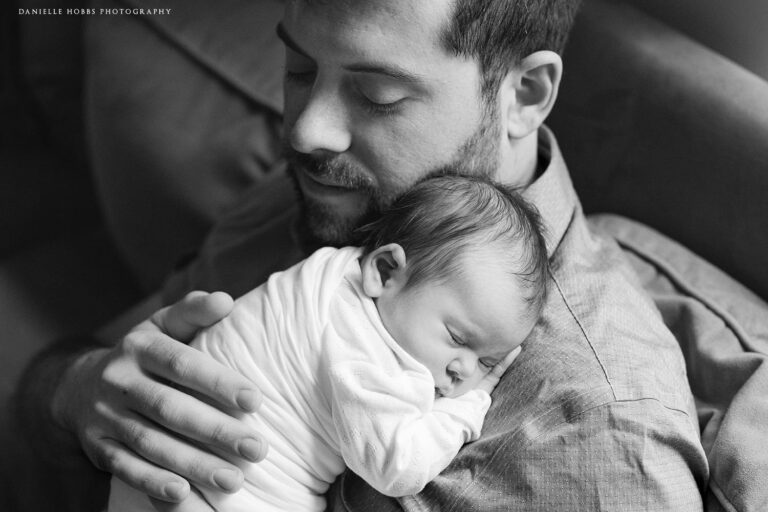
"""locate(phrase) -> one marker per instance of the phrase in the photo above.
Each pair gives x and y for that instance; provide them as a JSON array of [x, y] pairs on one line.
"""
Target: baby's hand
[[492, 378]]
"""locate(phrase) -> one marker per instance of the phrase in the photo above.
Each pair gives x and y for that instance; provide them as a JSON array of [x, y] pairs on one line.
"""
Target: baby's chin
[[454, 393]]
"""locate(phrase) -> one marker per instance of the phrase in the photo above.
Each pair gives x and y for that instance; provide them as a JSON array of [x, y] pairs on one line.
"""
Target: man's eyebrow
[[389, 70], [289, 42]]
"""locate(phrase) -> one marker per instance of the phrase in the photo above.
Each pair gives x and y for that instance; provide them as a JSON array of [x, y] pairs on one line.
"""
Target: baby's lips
[[441, 391]]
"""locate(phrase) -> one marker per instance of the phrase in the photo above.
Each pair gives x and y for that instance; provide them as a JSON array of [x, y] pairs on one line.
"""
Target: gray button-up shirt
[[595, 414]]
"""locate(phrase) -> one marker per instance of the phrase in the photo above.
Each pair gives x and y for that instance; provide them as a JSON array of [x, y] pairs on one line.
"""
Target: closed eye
[[455, 338], [379, 94], [382, 109], [487, 364]]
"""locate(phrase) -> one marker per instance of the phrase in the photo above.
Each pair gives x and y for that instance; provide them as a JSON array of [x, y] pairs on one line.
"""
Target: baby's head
[[457, 267]]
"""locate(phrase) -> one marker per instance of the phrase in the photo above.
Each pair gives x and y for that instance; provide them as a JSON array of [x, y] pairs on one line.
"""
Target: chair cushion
[[181, 119], [656, 127], [723, 331]]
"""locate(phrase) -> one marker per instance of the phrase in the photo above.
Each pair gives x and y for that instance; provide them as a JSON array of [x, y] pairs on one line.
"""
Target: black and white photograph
[[383, 255]]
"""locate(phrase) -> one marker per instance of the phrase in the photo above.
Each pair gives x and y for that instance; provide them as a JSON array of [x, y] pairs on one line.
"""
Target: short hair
[[499, 33], [440, 218]]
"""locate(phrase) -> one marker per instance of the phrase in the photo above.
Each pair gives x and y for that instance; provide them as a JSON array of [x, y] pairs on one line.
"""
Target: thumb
[[195, 311]]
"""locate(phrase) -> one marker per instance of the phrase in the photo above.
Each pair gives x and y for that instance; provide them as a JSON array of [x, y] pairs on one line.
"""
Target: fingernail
[[227, 479], [175, 491], [251, 449], [248, 400]]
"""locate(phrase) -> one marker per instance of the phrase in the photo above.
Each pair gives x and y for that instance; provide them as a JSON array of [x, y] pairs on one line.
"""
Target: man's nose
[[322, 126]]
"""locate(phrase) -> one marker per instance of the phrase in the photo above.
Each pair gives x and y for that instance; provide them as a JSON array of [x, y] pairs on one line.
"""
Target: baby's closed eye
[[487, 363]]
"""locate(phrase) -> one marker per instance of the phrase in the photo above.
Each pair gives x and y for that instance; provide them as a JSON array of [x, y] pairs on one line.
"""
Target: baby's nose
[[462, 367]]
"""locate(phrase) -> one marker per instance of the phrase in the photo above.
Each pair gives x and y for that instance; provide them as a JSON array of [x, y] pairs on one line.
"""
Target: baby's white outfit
[[338, 390]]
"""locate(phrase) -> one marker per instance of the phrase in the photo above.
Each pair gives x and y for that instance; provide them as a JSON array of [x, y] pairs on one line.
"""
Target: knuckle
[[202, 470], [179, 364], [218, 433], [104, 458], [162, 407], [219, 385], [117, 374], [90, 438], [111, 374], [138, 438], [135, 342]]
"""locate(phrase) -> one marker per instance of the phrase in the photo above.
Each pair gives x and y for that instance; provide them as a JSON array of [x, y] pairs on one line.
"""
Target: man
[[594, 414]]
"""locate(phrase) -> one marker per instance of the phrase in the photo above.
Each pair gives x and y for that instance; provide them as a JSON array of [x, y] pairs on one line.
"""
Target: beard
[[321, 225]]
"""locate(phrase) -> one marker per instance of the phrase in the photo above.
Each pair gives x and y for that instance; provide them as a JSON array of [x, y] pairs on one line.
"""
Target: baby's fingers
[[500, 367], [493, 377]]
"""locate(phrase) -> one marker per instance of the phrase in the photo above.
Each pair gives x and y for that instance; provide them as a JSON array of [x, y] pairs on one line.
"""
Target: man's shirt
[[595, 414]]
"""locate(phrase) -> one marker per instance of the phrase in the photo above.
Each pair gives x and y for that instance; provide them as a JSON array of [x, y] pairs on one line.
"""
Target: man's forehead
[[384, 7], [377, 17]]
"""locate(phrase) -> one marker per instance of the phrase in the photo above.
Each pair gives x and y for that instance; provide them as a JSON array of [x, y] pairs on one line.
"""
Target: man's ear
[[384, 269], [529, 91]]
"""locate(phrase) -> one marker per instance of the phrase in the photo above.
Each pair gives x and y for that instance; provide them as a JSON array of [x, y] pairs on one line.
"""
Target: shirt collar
[[552, 192]]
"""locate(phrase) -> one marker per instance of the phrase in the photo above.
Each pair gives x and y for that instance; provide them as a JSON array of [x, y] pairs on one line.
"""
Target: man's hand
[[492, 378], [193, 503], [132, 421]]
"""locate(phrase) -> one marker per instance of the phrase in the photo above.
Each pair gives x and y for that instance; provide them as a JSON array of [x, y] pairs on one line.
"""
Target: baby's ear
[[384, 270]]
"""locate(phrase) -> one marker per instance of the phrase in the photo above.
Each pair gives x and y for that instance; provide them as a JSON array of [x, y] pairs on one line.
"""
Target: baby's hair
[[440, 218]]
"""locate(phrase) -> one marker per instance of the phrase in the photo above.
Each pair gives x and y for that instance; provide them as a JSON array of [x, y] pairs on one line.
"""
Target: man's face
[[373, 103]]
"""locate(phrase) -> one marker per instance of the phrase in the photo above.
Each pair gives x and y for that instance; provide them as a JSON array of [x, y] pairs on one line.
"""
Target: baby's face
[[459, 328]]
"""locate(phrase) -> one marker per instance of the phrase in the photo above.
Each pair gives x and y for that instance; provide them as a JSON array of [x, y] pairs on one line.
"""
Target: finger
[[501, 367], [188, 367], [184, 414], [193, 503], [493, 377], [197, 310], [112, 456], [157, 447]]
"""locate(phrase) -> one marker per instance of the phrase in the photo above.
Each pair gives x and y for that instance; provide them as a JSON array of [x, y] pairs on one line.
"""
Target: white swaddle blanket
[[338, 390]]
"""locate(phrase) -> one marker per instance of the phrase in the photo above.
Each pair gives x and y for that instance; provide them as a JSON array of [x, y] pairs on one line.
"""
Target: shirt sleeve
[[392, 431]]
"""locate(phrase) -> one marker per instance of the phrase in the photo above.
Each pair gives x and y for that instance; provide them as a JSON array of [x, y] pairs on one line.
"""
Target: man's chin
[[320, 227], [330, 219]]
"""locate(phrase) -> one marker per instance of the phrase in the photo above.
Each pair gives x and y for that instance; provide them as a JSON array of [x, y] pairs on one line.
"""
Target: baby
[[381, 358]]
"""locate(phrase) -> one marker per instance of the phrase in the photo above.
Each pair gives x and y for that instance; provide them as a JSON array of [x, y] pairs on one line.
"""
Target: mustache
[[333, 169]]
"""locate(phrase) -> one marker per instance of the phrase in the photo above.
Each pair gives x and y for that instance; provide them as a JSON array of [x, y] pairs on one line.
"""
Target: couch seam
[[685, 287]]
